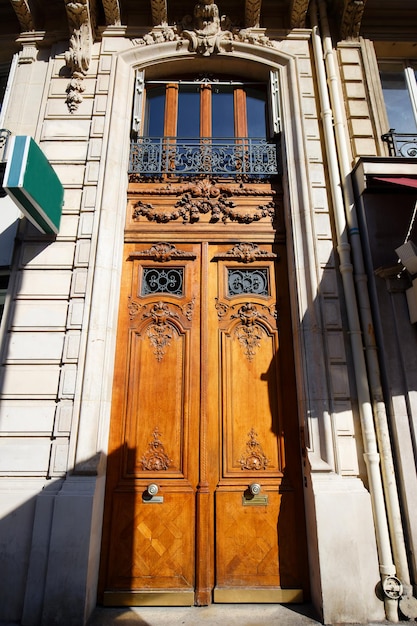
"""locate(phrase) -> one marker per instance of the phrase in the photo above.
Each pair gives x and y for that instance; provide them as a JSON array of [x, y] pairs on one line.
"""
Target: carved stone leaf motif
[[155, 458], [159, 12], [298, 13], [23, 14], [112, 12], [254, 457], [252, 13], [352, 18]]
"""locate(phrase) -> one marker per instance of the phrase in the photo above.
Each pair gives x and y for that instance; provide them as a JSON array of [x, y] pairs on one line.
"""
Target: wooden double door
[[204, 487]]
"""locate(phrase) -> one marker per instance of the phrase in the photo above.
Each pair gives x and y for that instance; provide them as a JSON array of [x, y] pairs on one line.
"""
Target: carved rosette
[[155, 459], [254, 457]]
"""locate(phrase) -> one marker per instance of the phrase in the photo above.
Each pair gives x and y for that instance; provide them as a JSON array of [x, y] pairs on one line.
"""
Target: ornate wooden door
[[204, 489]]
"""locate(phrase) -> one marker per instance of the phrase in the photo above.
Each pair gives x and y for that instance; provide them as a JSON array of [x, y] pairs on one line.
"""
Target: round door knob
[[255, 488], [152, 489]]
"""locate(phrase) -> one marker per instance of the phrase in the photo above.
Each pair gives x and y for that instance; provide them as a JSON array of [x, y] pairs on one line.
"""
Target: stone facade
[[58, 331]]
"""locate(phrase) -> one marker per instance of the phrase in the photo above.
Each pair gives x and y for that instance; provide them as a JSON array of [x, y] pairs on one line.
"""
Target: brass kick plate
[[244, 595]]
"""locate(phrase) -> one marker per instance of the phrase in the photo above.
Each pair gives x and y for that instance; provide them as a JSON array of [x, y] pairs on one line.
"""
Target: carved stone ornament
[[206, 31], [155, 459], [254, 457], [247, 252], [78, 56], [162, 252], [204, 197]]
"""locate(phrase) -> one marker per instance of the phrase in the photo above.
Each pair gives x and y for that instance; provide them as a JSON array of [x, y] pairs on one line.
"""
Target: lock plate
[[259, 499]]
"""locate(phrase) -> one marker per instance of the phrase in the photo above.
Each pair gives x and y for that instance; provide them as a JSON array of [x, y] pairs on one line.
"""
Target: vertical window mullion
[[241, 125], [410, 77], [274, 107], [205, 110], [171, 110], [138, 102]]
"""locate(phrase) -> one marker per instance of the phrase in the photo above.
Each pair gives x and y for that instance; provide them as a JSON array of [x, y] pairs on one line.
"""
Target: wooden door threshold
[[149, 598]]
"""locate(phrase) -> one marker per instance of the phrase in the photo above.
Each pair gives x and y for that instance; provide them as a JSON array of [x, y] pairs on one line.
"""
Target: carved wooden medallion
[[155, 458], [254, 457]]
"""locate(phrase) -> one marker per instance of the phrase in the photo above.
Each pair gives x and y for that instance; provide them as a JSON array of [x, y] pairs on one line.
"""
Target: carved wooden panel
[[152, 545]]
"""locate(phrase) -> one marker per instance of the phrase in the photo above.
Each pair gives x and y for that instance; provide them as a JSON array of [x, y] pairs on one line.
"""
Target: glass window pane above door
[[188, 118], [223, 119], [256, 112], [155, 112], [401, 114]]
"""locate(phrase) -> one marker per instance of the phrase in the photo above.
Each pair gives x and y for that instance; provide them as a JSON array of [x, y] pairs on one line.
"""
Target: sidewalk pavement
[[215, 615]]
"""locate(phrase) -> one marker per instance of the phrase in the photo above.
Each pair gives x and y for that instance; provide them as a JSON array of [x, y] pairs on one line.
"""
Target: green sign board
[[33, 185]]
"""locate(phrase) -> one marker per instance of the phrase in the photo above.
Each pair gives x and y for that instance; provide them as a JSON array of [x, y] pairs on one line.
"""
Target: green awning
[[33, 185]]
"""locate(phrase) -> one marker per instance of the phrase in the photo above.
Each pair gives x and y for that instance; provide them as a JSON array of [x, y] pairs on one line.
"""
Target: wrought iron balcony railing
[[4, 137], [155, 156], [400, 144]]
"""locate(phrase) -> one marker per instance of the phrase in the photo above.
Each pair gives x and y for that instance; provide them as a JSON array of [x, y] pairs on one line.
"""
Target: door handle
[[149, 496], [152, 489], [253, 497]]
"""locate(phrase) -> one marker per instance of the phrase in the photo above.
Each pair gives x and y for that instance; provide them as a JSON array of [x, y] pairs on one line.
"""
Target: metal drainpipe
[[371, 455], [381, 420]]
